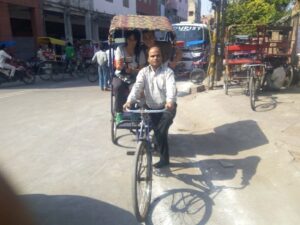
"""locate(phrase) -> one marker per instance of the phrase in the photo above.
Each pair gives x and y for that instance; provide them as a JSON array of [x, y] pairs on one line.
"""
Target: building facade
[[176, 11], [147, 7], [20, 22], [194, 11]]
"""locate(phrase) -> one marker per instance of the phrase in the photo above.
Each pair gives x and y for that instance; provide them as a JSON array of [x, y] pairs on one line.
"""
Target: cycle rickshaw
[[142, 179], [243, 64], [276, 50], [50, 56]]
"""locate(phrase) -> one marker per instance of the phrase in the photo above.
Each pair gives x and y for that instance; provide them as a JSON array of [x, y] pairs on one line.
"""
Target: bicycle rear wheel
[[253, 91], [113, 130], [288, 77], [226, 81], [142, 181]]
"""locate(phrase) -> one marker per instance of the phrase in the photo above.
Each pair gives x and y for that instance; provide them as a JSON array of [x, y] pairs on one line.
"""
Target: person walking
[[102, 68], [157, 83], [3, 64], [70, 54]]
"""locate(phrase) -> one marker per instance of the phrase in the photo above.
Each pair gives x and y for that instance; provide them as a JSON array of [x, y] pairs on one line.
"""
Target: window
[[110, 0], [126, 3], [191, 13]]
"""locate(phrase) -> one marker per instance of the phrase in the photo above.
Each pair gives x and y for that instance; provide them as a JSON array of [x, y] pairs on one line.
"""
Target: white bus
[[194, 40]]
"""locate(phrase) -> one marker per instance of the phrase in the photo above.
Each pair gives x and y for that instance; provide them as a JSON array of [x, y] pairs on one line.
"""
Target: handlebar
[[145, 110], [247, 66]]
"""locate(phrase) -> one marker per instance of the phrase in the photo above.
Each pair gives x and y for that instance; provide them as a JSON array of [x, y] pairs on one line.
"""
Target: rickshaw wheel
[[113, 130], [29, 77], [289, 76], [56, 76], [197, 76], [225, 86], [45, 74], [253, 91]]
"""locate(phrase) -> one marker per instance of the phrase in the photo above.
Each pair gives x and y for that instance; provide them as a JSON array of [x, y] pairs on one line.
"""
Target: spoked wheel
[[225, 86], [197, 76], [29, 77], [44, 72], [79, 72], [92, 74], [288, 77], [113, 130], [253, 91], [142, 181], [56, 76]]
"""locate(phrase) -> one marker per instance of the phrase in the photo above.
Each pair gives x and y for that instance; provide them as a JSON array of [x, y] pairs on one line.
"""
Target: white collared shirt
[[159, 87]]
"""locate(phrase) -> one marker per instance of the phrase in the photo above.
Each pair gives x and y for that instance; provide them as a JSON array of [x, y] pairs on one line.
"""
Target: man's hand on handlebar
[[169, 106], [126, 106]]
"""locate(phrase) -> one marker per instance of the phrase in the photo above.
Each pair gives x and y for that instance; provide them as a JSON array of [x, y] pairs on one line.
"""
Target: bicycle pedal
[[130, 153]]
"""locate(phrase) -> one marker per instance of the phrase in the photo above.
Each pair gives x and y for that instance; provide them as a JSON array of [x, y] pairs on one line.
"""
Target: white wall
[[115, 7]]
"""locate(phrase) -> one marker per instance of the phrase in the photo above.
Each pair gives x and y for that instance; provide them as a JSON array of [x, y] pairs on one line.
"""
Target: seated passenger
[[129, 60], [170, 54]]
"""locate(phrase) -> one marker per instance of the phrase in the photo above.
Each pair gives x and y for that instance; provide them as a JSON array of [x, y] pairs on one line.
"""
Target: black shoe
[[161, 164]]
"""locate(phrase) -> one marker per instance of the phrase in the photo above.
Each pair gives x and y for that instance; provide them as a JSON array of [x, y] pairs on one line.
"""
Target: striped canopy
[[139, 22]]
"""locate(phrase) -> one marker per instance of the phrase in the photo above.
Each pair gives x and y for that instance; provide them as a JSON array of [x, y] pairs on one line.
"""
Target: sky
[[205, 7]]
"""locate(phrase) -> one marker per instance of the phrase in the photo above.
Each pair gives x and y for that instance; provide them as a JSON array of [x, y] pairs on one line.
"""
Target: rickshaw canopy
[[53, 41], [131, 22]]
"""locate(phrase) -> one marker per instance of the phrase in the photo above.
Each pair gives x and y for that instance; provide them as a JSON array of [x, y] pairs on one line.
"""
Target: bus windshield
[[193, 36]]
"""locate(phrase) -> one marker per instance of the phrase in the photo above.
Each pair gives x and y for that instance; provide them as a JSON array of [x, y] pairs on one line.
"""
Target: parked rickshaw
[[50, 58], [85, 50], [142, 178], [243, 63], [276, 50]]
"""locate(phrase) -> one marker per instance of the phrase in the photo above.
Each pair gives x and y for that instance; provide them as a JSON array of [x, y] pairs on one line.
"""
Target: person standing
[[171, 55], [102, 67], [3, 64], [157, 83], [70, 54]]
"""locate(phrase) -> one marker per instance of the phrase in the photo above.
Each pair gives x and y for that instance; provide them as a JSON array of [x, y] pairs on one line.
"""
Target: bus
[[194, 41]]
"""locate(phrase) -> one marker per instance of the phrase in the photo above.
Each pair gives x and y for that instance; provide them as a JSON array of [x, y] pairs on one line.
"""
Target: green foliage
[[255, 11]]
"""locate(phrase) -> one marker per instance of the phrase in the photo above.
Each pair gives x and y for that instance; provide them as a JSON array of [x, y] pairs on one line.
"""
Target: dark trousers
[[121, 91], [161, 124]]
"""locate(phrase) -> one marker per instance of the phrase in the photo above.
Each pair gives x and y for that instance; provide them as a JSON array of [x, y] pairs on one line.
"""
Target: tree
[[256, 11]]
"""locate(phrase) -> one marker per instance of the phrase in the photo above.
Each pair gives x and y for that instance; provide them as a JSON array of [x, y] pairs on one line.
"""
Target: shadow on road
[[228, 139], [180, 206], [194, 205], [75, 210]]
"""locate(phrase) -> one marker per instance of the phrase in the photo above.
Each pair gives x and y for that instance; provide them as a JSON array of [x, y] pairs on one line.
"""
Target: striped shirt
[[159, 87]]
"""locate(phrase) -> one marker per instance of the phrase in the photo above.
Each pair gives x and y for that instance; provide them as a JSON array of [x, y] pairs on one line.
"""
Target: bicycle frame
[[255, 73], [143, 131]]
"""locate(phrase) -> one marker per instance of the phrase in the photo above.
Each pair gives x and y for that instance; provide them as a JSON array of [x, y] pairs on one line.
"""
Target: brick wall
[[147, 8], [36, 17]]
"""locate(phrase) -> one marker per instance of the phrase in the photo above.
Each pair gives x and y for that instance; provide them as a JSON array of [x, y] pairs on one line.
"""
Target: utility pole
[[217, 46]]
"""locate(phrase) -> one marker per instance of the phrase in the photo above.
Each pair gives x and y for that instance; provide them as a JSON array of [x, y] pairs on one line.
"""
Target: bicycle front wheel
[[253, 91], [142, 181]]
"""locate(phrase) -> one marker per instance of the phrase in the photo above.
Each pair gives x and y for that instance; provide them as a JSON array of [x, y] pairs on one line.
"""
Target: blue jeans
[[102, 71]]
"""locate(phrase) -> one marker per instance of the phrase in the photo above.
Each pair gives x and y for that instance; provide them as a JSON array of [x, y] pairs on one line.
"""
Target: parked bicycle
[[255, 74]]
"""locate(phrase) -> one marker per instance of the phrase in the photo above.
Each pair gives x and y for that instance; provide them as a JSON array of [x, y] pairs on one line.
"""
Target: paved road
[[228, 164]]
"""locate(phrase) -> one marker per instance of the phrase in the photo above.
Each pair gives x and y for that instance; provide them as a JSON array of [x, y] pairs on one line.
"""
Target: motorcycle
[[22, 73]]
